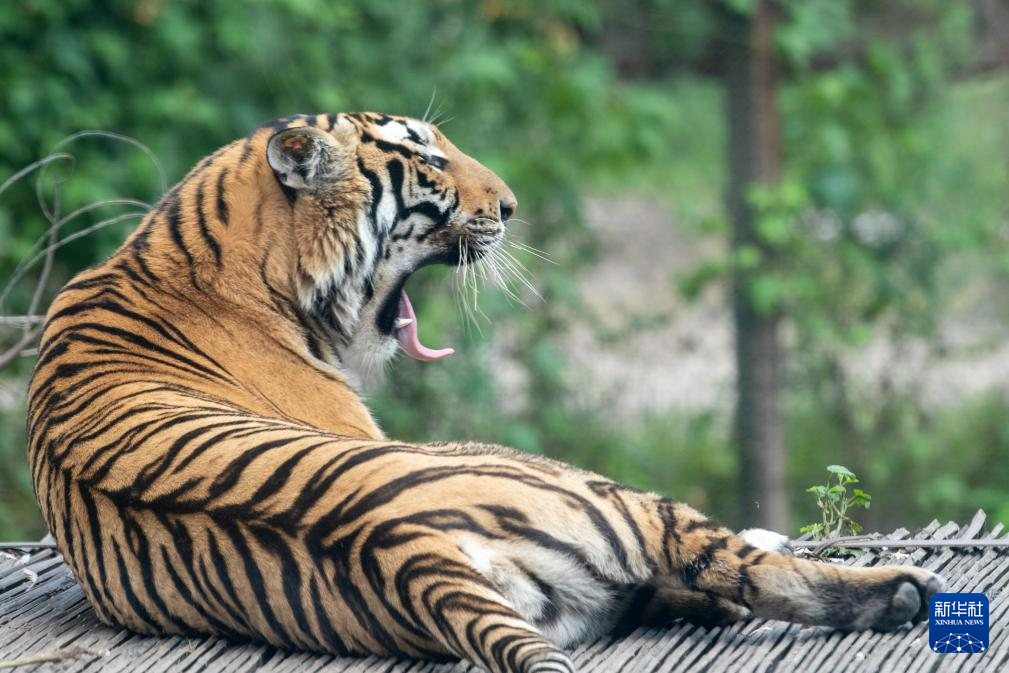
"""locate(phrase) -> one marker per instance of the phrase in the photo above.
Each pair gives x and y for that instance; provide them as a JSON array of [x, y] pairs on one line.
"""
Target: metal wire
[[21, 320], [878, 543], [27, 545]]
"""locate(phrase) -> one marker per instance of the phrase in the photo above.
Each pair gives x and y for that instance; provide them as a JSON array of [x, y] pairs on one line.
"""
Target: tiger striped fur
[[201, 455]]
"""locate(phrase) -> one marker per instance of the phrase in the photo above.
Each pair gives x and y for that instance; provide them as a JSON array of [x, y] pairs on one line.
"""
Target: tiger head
[[373, 198]]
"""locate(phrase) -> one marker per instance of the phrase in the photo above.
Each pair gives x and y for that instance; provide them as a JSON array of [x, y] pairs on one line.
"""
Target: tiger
[[201, 451]]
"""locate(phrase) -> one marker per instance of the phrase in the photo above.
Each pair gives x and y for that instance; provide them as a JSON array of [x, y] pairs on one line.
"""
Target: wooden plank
[[665, 640], [815, 644], [993, 584], [899, 650], [971, 574], [961, 570], [51, 612]]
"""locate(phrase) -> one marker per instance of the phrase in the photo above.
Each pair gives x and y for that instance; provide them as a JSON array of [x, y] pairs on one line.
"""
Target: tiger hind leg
[[705, 557], [476, 623], [659, 607], [442, 594]]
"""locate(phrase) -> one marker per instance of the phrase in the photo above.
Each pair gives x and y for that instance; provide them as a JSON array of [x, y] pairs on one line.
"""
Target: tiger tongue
[[407, 335]]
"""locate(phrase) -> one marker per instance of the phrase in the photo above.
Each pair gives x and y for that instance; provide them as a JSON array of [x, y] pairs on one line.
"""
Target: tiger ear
[[306, 158]]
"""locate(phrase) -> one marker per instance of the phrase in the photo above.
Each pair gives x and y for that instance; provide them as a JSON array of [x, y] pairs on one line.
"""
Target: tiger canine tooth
[[403, 322]]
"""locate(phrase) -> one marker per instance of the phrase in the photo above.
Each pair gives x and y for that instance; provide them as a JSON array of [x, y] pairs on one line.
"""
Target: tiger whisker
[[465, 279], [507, 265], [518, 270], [445, 122], [504, 281], [535, 252], [436, 118], [519, 220], [430, 102], [499, 275], [475, 289]]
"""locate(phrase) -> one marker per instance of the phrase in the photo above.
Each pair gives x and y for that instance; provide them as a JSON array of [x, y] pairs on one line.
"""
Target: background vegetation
[[885, 222]]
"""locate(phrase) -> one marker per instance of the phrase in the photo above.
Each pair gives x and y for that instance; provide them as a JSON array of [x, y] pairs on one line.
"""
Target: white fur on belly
[[579, 607]]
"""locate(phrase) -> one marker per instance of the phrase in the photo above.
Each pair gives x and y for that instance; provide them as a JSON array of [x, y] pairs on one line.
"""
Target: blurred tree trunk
[[991, 29], [754, 148]]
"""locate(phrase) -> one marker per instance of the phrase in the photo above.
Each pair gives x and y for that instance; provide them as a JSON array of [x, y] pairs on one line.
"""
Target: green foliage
[[853, 233], [187, 77], [891, 209], [521, 88], [834, 502], [890, 213], [19, 517], [940, 464]]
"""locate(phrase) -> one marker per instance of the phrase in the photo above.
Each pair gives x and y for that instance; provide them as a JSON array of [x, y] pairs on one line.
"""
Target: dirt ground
[[671, 354]]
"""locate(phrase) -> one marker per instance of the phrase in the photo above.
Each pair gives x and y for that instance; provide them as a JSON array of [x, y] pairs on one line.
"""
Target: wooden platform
[[43, 612]]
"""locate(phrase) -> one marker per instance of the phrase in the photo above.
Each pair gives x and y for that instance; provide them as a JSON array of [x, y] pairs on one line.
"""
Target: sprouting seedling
[[835, 503]]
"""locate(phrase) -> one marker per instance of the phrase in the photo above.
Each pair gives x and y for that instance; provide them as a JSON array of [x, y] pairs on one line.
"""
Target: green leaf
[[815, 529], [840, 469]]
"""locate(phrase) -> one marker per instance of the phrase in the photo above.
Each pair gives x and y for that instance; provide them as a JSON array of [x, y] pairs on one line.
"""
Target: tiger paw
[[909, 601]]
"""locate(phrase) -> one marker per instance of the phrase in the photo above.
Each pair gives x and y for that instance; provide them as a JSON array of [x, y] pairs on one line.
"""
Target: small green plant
[[835, 502]]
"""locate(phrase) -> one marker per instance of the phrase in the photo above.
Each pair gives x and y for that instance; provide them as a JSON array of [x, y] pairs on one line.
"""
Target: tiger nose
[[506, 208]]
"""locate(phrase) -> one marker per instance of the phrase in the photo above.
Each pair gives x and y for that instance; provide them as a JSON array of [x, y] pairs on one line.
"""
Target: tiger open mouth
[[397, 317], [405, 327]]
